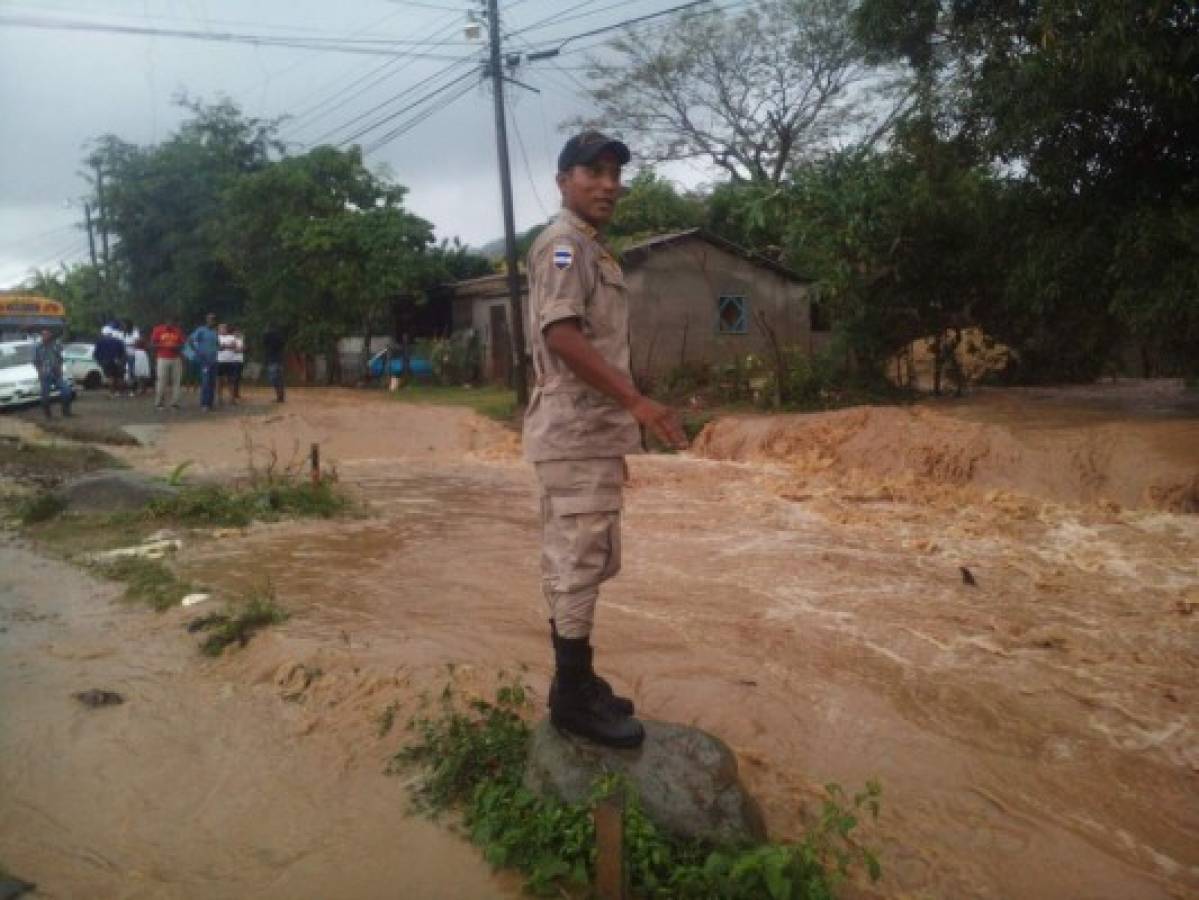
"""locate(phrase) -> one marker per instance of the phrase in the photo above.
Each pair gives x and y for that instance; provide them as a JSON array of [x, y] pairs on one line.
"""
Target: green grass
[[473, 760], [148, 581], [39, 508], [493, 401], [45, 463], [211, 506], [240, 622]]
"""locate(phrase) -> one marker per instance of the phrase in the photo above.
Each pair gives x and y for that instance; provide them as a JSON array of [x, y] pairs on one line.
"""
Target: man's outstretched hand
[[663, 422]]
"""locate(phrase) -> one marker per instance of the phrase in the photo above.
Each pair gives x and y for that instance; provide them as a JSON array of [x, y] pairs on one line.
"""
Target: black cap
[[582, 149]]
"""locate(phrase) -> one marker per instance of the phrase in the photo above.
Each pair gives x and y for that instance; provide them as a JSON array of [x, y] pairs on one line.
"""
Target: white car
[[80, 367], [19, 384]]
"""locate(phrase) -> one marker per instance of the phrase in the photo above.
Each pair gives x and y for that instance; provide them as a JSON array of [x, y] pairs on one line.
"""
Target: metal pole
[[501, 140]]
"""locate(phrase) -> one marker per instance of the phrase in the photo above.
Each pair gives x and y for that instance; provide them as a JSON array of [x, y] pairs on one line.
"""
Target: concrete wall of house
[[674, 295], [674, 307]]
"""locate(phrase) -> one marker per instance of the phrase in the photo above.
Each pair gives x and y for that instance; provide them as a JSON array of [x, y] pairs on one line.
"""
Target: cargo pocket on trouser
[[588, 537]]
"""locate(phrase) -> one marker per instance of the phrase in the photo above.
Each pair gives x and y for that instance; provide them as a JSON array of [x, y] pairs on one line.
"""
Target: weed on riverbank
[[148, 581], [213, 506], [239, 622], [473, 760]]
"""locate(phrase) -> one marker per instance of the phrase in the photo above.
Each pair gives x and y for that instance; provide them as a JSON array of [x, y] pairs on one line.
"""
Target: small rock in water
[[686, 779], [12, 887], [96, 697]]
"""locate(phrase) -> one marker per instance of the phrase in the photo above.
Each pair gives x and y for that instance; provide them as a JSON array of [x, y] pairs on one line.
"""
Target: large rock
[[112, 490], [686, 779]]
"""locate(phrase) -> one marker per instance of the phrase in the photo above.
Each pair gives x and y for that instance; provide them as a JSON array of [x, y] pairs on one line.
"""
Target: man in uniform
[[582, 420]]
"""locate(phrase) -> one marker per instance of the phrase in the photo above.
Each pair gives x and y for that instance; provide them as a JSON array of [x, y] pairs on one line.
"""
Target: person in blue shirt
[[47, 358], [204, 343]]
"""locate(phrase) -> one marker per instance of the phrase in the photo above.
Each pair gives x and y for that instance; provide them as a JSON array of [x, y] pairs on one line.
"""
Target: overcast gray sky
[[60, 89]]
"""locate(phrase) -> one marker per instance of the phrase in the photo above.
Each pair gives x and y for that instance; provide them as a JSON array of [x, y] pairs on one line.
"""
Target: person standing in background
[[273, 344], [109, 354], [224, 361], [204, 343], [239, 361], [47, 359], [131, 336], [167, 340]]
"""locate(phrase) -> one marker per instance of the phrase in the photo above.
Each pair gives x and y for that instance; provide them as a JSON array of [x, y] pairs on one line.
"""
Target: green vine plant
[[471, 760]]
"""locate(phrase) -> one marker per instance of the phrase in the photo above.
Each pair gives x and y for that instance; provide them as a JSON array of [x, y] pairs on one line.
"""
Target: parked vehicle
[[78, 365], [418, 364], [19, 384]]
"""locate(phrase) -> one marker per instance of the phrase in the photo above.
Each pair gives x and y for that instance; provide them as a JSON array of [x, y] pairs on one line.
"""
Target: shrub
[[474, 760], [40, 508]]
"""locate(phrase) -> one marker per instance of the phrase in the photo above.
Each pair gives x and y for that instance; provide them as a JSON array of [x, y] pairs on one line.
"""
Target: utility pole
[[501, 140], [103, 227], [91, 237]]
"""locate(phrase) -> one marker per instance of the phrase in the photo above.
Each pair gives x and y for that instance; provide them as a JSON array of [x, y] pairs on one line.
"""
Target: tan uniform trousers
[[580, 536]]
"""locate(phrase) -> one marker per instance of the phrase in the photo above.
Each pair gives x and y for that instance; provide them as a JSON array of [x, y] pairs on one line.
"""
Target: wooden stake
[[316, 465], [609, 845]]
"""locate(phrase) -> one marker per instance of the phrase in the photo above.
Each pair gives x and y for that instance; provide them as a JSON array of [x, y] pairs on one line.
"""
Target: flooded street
[[795, 586]]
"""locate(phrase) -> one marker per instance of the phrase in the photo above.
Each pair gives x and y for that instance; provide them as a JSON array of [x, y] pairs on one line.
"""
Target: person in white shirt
[[230, 358]]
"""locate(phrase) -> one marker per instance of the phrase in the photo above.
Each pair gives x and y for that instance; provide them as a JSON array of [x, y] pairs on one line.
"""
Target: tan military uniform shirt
[[572, 275]]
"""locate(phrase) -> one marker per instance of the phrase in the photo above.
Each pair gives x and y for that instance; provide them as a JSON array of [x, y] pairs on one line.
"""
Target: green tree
[[1094, 106], [652, 205], [324, 248], [77, 287], [163, 206]]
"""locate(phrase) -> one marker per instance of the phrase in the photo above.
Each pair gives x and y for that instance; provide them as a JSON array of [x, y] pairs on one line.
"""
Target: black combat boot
[[46, 409], [578, 706], [622, 705], [66, 407]]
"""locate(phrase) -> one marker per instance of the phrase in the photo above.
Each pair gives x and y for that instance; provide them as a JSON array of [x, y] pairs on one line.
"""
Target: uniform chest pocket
[[611, 276]]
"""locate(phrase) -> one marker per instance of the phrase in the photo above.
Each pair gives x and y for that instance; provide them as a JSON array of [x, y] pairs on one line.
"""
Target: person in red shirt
[[167, 341]]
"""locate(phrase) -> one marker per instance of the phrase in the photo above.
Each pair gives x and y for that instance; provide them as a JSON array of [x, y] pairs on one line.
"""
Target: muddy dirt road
[[794, 587], [195, 786]]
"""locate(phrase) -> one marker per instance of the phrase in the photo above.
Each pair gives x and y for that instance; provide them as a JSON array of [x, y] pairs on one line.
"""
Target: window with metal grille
[[731, 315]]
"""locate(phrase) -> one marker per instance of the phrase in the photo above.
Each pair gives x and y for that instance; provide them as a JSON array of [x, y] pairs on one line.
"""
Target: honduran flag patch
[[564, 256]]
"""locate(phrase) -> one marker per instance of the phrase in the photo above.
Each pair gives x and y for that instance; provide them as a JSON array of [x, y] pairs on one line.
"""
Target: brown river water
[[793, 587]]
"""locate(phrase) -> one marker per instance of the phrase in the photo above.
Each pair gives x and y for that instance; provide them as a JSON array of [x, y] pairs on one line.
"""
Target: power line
[[423, 5], [520, 142], [336, 45], [419, 118], [345, 126], [682, 7], [557, 17], [399, 112], [374, 76], [375, 23], [651, 30]]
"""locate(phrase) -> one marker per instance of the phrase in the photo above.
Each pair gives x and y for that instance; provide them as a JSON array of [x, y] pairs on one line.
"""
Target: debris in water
[[968, 577], [148, 550], [96, 697]]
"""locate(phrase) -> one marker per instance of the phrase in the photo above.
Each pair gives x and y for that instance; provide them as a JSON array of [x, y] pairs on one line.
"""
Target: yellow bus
[[23, 315]]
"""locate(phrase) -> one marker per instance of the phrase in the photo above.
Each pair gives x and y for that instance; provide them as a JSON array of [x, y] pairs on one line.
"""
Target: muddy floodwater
[[795, 585]]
